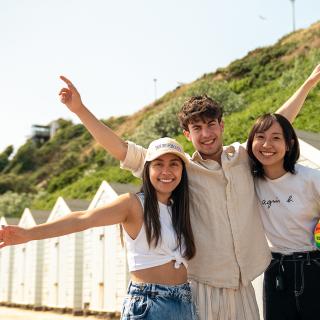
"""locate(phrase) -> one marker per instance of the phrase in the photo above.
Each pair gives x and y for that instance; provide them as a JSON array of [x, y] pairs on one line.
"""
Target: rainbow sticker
[[317, 235]]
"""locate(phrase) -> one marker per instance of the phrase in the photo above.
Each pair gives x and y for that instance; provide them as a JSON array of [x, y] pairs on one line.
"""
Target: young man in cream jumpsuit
[[230, 242]]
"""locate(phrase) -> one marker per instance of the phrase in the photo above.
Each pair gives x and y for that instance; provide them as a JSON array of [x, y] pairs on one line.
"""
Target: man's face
[[206, 137]]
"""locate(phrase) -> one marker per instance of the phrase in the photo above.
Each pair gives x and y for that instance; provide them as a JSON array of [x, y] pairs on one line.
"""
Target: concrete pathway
[[22, 314]]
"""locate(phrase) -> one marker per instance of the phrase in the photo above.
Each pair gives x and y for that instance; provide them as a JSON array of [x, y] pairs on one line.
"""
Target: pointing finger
[[67, 81]]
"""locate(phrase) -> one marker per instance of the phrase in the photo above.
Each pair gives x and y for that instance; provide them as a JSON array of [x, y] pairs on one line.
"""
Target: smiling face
[[269, 147], [273, 146], [206, 137], [165, 175]]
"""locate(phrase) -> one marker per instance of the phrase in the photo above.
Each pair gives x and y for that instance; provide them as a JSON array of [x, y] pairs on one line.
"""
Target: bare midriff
[[165, 274]]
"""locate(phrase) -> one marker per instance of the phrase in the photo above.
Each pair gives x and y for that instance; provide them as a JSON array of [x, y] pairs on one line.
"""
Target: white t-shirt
[[290, 209]]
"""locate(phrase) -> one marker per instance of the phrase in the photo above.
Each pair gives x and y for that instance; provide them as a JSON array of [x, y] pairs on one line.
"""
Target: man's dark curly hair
[[199, 108]]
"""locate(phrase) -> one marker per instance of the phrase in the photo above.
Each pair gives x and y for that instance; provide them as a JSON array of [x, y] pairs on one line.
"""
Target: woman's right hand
[[11, 235], [314, 77]]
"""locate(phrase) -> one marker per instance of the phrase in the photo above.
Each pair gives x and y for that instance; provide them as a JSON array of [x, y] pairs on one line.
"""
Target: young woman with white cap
[[157, 234]]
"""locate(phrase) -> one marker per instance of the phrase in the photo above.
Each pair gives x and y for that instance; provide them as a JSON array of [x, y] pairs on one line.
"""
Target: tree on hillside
[[4, 157]]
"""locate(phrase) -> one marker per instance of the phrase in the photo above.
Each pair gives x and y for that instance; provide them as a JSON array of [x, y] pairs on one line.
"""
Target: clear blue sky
[[113, 49]]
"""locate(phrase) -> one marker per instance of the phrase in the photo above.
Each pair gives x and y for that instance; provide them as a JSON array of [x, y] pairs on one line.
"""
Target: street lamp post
[[155, 89], [293, 15]]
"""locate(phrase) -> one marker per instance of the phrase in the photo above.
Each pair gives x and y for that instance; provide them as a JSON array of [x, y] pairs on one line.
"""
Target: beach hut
[[27, 263], [310, 157], [105, 275], [6, 266], [62, 264]]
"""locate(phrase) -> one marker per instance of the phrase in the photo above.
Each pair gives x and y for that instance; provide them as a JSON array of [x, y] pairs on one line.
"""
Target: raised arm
[[291, 108], [118, 211], [110, 141]]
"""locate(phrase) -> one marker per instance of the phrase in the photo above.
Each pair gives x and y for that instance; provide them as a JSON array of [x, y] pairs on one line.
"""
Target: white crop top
[[141, 256]]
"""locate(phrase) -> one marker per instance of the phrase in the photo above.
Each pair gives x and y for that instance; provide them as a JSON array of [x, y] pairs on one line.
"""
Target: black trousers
[[292, 287]]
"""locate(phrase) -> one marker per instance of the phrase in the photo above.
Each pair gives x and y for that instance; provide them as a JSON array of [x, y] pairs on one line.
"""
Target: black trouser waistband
[[297, 256]]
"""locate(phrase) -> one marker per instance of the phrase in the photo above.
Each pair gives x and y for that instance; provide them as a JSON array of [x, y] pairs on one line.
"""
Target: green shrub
[[15, 183], [163, 124], [99, 157], [65, 178], [26, 159], [13, 204]]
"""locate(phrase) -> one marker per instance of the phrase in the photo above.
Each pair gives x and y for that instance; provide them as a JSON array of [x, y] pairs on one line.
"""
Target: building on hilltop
[[41, 133]]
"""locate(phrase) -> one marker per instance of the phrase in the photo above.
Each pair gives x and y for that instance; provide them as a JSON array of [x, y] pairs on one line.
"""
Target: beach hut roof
[[312, 138], [40, 216], [121, 188], [309, 149], [11, 220], [77, 204]]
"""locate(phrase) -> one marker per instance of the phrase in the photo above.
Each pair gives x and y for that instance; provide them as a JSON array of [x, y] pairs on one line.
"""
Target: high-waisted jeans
[[291, 286], [158, 302]]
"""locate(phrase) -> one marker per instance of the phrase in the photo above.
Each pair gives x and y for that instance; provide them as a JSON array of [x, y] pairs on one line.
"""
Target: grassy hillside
[[73, 165]]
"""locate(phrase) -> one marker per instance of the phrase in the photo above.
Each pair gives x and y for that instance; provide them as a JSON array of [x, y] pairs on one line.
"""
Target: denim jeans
[[291, 286], [158, 302]]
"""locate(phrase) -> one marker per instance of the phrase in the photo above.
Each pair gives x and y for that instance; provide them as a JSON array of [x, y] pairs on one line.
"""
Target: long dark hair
[[292, 154], [180, 212]]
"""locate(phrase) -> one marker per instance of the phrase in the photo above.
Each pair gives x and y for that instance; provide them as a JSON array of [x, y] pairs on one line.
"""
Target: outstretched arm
[[110, 141], [117, 211], [291, 108]]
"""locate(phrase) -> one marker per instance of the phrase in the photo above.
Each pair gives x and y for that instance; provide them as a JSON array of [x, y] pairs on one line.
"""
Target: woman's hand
[[11, 235], [314, 77], [70, 96]]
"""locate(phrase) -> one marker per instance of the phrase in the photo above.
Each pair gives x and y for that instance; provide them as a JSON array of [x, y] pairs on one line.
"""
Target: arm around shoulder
[[134, 159]]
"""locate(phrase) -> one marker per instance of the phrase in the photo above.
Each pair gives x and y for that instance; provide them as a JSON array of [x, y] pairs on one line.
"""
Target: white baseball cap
[[165, 145]]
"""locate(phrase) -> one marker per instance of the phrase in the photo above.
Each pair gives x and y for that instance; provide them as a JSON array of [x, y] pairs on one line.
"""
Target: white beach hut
[[6, 266], [309, 157], [63, 263], [27, 263], [105, 275]]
